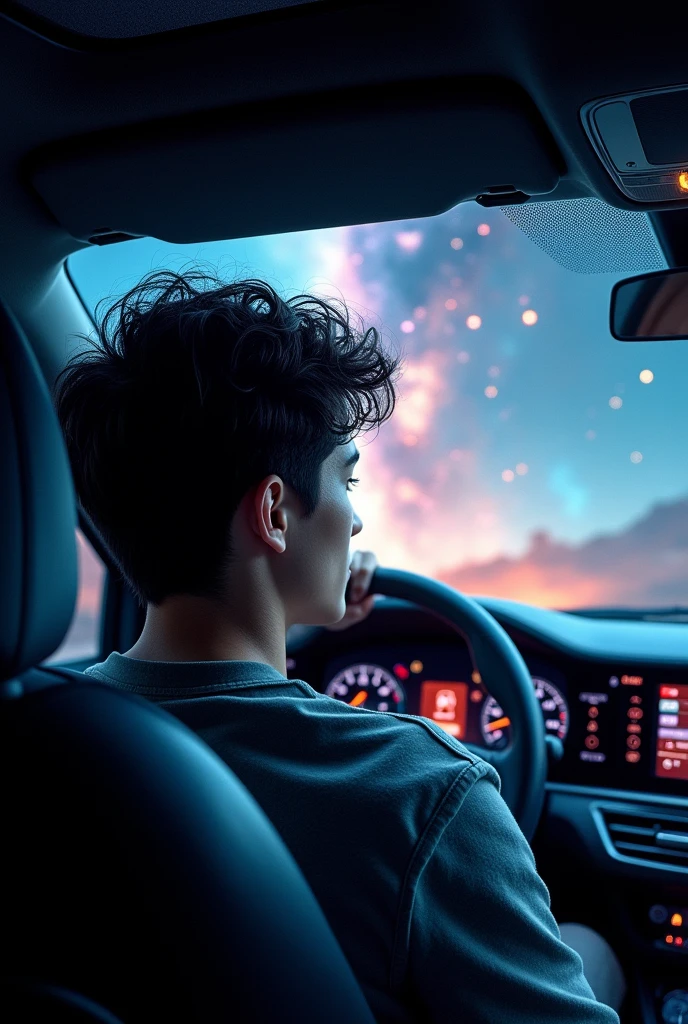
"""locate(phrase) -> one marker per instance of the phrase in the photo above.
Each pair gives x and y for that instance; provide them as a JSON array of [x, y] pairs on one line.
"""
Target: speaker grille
[[590, 237], [662, 123]]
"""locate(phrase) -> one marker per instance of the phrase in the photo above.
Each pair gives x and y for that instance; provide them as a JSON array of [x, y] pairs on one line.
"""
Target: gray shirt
[[417, 862]]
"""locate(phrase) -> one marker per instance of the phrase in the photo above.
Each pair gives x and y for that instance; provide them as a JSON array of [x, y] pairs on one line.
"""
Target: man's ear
[[269, 518]]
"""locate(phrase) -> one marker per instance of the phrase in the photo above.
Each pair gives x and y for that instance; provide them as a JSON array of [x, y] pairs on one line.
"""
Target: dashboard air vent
[[652, 837]]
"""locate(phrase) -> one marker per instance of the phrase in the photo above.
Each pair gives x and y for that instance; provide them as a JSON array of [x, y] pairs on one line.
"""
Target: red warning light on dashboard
[[633, 756], [668, 691], [445, 704], [591, 742], [631, 680], [401, 672]]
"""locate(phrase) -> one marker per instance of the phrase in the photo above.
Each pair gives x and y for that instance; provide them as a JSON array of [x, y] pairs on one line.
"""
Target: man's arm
[[484, 946]]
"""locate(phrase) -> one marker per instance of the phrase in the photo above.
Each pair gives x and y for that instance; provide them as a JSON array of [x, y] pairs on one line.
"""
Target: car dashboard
[[612, 844], [620, 716]]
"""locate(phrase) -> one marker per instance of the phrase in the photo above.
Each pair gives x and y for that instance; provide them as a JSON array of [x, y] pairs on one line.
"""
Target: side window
[[83, 637]]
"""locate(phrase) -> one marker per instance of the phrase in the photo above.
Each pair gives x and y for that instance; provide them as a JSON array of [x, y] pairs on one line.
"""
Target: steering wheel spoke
[[522, 766]]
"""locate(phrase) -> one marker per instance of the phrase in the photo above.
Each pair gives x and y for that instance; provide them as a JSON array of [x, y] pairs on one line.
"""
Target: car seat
[[140, 880]]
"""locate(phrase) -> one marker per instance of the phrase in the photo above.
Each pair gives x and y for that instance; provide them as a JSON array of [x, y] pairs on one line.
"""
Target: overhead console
[[642, 141], [350, 156]]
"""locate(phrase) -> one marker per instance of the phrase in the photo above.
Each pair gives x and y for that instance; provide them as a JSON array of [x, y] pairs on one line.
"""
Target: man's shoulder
[[413, 744]]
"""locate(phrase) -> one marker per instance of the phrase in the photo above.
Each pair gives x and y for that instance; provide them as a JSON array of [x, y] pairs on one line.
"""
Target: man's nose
[[356, 526]]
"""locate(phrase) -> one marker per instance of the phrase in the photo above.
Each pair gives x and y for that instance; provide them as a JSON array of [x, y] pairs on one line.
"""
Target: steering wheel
[[522, 766]]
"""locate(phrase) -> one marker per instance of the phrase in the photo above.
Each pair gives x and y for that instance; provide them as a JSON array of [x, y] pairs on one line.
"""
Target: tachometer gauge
[[495, 725], [367, 686]]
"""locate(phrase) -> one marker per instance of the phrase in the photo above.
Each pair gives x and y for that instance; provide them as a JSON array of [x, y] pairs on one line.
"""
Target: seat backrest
[[136, 870]]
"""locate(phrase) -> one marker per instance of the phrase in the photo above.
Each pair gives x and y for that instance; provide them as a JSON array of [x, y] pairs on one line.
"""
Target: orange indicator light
[[360, 697], [669, 939], [683, 181], [676, 920]]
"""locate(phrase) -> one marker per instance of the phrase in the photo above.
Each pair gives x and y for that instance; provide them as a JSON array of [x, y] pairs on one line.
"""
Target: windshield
[[530, 456]]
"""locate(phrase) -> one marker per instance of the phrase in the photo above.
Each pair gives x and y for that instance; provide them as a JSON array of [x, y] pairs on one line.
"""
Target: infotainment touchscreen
[[671, 759]]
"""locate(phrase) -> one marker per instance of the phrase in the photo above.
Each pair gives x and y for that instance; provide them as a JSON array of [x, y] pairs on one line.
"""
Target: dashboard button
[[658, 913]]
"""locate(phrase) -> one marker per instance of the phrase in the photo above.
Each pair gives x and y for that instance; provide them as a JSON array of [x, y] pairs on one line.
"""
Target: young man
[[211, 430]]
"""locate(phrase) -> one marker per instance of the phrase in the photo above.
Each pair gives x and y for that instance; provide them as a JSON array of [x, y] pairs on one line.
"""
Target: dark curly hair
[[192, 392]]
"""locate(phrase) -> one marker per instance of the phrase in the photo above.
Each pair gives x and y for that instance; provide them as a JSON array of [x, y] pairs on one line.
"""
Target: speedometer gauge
[[367, 686], [495, 725]]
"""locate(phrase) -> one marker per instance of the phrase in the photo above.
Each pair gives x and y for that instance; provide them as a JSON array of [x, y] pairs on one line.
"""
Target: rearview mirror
[[651, 307]]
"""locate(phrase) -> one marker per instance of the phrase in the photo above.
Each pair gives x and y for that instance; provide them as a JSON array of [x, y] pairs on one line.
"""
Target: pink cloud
[[645, 565]]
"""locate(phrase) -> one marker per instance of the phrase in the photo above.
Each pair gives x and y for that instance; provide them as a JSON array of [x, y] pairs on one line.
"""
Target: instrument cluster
[[464, 709], [617, 726]]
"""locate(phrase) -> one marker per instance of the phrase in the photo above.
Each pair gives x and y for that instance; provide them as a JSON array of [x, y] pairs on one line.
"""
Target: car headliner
[[274, 78]]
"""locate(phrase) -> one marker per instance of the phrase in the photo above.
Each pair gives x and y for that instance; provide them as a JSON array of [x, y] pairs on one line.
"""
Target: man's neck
[[186, 628]]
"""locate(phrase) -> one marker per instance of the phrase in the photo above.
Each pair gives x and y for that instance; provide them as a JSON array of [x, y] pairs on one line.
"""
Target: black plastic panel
[[662, 123]]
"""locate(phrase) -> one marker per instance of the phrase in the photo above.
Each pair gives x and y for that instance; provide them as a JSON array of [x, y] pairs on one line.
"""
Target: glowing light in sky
[[590, 435], [529, 317], [423, 388], [420, 312], [464, 357], [410, 440], [408, 491], [646, 376], [636, 457], [493, 371], [473, 322], [450, 304], [409, 240], [357, 258], [524, 300], [491, 391], [615, 402], [407, 326], [522, 468], [508, 475], [456, 243], [483, 229]]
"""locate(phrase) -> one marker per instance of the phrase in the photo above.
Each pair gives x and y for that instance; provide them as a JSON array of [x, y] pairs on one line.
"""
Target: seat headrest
[[38, 569]]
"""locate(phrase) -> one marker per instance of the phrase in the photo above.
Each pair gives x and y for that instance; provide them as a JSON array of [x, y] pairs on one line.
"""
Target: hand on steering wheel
[[522, 766]]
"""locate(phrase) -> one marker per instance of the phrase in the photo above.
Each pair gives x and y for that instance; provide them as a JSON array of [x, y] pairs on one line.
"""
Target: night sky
[[524, 431]]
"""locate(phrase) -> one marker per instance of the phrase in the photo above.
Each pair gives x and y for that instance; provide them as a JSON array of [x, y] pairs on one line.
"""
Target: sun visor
[[354, 157]]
